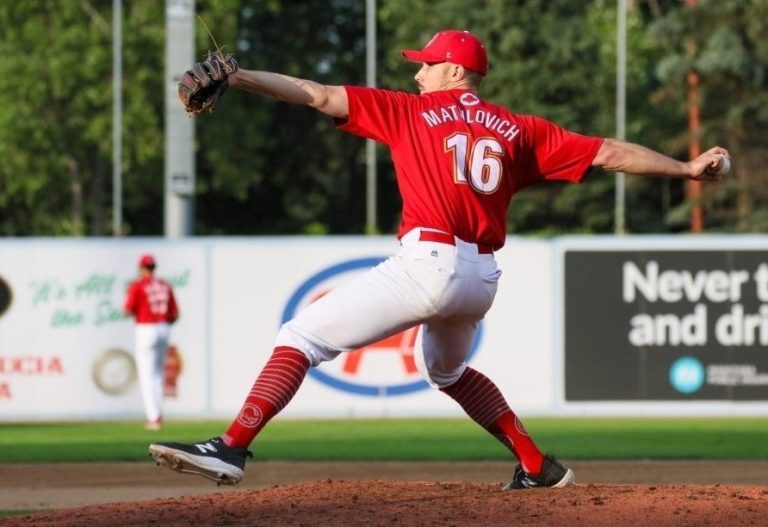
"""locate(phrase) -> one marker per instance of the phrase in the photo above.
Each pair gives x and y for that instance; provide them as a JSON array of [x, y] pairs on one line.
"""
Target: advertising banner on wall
[[66, 347], [670, 324], [579, 325]]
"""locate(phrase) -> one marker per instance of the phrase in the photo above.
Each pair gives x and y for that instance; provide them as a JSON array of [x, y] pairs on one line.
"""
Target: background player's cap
[[452, 45], [147, 260]]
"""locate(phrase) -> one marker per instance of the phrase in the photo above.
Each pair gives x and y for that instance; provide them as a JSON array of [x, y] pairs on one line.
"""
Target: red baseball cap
[[147, 260], [452, 45]]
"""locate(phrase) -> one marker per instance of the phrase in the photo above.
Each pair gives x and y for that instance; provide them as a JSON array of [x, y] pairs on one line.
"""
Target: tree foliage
[[268, 167], [56, 117], [724, 43], [265, 167]]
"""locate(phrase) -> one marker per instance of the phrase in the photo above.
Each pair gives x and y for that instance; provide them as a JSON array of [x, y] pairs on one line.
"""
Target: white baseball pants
[[445, 288], [151, 348]]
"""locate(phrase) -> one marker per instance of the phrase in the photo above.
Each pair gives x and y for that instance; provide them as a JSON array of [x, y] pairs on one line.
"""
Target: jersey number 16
[[481, 160]]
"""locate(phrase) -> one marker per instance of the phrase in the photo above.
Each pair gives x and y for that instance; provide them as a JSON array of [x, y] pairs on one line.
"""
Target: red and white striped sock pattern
[[275, 386], [485, 404]]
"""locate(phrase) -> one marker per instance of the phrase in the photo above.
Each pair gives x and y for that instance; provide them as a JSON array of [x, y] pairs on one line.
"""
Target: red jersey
[[459, 159], [151, 300]]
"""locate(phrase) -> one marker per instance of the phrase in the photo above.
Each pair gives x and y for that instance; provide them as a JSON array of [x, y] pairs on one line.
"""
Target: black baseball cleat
[[211, 459], [553, 475]]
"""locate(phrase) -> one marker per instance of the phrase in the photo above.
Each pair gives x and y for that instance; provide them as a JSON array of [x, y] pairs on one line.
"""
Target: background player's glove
[[202, 86]]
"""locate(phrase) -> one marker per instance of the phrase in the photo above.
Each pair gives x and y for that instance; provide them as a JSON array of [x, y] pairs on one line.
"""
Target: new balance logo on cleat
[[553, 475], [203, 447], [212, 459]]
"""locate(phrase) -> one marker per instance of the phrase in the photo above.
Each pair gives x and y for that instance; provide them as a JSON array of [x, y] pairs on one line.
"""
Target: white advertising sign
[[66, 349]]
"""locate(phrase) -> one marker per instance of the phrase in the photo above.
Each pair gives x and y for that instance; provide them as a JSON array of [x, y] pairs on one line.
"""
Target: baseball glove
[[202, 86]]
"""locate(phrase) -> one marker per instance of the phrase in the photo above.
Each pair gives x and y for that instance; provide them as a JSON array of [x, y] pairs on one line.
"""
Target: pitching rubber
[[210, 468]]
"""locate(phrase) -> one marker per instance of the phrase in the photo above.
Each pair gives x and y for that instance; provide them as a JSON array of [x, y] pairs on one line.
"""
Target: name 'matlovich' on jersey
[[468, 114]]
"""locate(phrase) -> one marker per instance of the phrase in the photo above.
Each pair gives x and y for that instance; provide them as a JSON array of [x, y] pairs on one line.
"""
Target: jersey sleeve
[[375, 113], [558, 154], [131, 299], [173, 307]]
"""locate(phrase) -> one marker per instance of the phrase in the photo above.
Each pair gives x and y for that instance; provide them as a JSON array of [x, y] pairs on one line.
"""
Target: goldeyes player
[[458, 160]]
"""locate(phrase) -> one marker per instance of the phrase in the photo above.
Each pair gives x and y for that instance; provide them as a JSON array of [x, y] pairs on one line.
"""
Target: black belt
[[441, 237]]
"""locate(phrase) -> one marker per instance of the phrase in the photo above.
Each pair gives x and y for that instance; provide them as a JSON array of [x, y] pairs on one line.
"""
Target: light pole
[[621, 110], [117, 117], [370, 145], [179, 128]]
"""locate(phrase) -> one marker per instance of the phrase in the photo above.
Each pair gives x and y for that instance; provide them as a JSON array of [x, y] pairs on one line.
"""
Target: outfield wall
[[580, 326]]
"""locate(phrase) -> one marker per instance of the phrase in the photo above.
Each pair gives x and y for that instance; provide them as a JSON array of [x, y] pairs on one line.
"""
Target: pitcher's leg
[[483, 402], [273, 389], [378, 304], [361, 311], [441, 353], [442, 347], [366, 309]]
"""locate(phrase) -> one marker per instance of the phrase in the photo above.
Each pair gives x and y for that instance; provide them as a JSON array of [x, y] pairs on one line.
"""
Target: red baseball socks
[[275, 386], [485, 404]]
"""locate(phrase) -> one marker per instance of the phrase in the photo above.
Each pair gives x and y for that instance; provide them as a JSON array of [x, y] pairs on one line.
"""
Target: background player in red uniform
[[458, 160], [150, 300]]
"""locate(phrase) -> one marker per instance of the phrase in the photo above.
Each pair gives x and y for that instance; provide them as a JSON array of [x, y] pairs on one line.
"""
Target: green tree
[[269, 167], [266, 167], [724, 43], [56, 119], [51, 134]]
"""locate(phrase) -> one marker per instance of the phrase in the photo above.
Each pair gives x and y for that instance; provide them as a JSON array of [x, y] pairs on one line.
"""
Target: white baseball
[[723, 166]]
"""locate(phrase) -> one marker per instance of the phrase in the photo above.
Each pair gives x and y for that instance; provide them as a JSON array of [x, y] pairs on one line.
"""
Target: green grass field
[[401, 439]]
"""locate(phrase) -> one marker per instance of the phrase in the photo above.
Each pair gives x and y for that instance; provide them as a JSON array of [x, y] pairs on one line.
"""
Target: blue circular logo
[[687, 374], [303, 293]]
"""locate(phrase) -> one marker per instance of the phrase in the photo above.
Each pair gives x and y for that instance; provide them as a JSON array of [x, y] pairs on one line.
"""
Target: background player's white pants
[[448, 289], [151, 348]]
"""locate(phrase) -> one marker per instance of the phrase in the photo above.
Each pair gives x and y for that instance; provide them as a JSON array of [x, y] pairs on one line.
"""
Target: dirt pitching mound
[[423, 504]]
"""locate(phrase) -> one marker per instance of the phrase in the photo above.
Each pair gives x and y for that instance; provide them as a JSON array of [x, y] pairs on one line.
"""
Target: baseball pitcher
[[459, 159]]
